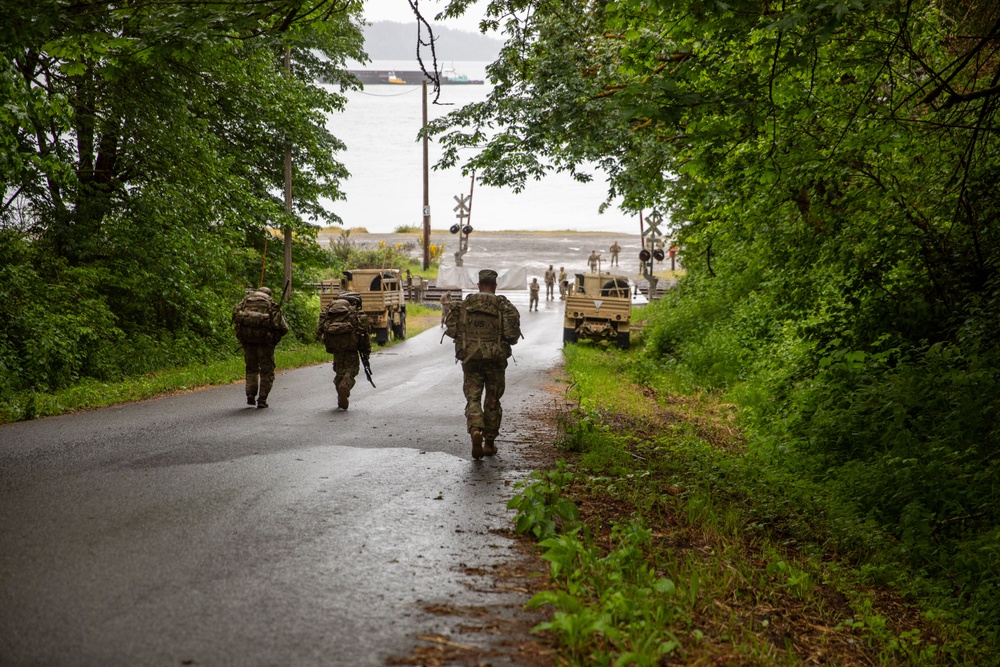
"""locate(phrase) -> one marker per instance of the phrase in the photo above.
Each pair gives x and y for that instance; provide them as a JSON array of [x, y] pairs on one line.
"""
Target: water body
[[385, 160]]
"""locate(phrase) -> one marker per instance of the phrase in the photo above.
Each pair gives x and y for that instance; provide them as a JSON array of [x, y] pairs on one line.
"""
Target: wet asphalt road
[[193, 529]]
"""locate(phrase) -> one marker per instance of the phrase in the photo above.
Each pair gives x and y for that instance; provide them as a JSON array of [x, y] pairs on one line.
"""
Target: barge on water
[[377, 77]]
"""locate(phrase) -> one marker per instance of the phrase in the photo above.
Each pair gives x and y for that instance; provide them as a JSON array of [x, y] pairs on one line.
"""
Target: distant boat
[[375, 77]]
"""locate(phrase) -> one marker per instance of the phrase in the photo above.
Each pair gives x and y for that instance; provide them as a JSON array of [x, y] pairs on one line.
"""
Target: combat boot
[[342, 400], [251, 400], [261, 403], [489, 447], [477, 442]]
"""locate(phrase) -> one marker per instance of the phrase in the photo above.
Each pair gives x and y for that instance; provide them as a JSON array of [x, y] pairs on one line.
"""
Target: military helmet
[[353, 298]]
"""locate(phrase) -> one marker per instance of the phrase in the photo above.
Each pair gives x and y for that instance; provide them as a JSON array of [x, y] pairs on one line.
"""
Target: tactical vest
[[341, 327], [483, 331], [254, 319]]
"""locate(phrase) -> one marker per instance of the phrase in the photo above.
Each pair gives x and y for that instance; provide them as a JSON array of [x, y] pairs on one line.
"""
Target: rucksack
[[341, 327], [483, 327], [254, 319]]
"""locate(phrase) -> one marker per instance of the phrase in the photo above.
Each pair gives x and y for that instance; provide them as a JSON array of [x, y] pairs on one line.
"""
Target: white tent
[[461, 277]]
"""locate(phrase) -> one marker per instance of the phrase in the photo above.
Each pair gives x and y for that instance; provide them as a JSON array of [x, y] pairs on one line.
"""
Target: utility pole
[[288, 194], [427, 200]]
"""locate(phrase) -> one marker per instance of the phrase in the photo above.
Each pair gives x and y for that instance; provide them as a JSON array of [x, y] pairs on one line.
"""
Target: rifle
[[366, 364], [284, 292]]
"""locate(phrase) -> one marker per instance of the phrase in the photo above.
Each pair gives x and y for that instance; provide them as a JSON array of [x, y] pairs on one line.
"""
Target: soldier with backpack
[[346, 333], [259, 324], [484, 327]]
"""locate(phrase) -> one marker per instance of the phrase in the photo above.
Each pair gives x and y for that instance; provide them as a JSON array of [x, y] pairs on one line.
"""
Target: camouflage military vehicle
[[382, 299], [598, 307]]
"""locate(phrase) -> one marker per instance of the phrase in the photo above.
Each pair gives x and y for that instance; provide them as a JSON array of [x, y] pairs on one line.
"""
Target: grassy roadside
[[89, 393], [669, 542]]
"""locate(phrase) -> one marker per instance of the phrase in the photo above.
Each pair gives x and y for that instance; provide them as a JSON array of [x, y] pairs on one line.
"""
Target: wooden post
[[288, 194], [427, 202]]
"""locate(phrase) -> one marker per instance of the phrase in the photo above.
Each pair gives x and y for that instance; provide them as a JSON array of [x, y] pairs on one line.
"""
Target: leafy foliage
[[142, 153], [829, 169]]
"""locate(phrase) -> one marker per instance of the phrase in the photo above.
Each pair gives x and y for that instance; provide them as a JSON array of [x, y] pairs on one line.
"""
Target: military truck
[[382, 299], [598, 307]]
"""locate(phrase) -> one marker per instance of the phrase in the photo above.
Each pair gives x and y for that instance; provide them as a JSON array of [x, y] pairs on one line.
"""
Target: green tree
[[830, 171], [142, 158]]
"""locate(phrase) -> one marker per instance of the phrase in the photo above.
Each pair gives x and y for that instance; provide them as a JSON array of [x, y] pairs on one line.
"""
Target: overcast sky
[[399, 11]]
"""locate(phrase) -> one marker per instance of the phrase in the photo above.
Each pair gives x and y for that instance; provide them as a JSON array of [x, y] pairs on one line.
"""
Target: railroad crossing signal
[[651, 249], [653, 222], [462, 212]]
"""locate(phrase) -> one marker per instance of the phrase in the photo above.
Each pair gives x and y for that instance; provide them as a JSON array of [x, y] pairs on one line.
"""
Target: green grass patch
[[690, 548]]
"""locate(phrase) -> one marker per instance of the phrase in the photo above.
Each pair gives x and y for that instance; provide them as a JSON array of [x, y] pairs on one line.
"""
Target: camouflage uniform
[[484, 412], [347, 356], [593, 261], [445, 306], [550, 283], [562, 282], [484, 361], [615, 249], [258, 350], [533, 288]]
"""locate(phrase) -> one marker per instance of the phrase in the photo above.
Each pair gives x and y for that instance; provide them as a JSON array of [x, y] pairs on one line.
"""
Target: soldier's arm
[[282, 326], [365, 339]]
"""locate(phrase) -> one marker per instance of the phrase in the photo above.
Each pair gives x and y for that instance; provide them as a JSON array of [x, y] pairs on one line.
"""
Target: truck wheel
[[569, 335], [399, 330], [382, 336], [622, 340]]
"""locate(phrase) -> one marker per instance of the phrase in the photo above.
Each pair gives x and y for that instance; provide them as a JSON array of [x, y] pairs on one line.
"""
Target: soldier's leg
[[344, 374], [496, 383], [253, 372], [472, 387], [266, 360], [350, 366]]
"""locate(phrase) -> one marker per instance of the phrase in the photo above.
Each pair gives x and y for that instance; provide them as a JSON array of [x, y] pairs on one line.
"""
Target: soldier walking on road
[[259, 325], [550, 284], [346, 333], [533, 288], [484, 327], [593, 261], [563, 285], [615, 249]]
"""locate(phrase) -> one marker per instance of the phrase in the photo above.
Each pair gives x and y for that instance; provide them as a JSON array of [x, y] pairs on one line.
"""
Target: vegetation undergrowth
[[671, 539]]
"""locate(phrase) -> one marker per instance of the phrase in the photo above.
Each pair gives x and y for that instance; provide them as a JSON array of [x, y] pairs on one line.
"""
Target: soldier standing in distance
[[550, 283], [615, 249], [346, 333], [562, 282], [593, 260], [484, 327], [445, 306], [533, 288], [259, 325]]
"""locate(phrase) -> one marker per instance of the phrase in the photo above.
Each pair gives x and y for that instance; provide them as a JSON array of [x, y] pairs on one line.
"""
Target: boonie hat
[[487, 275]]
